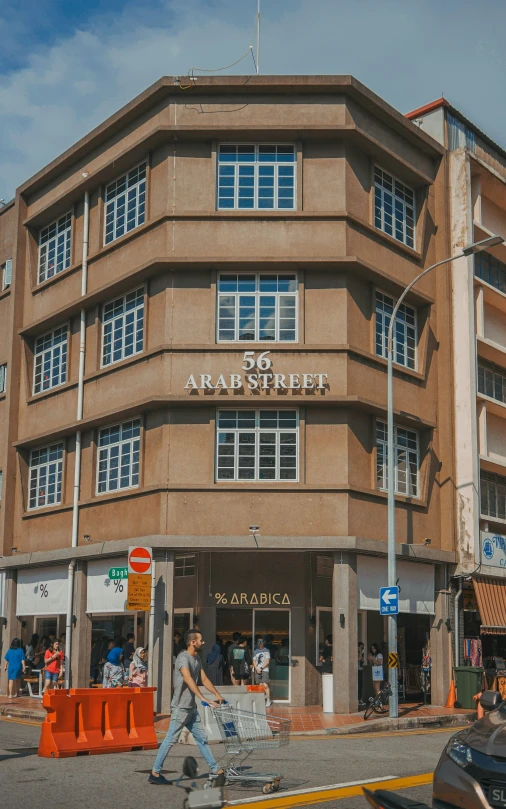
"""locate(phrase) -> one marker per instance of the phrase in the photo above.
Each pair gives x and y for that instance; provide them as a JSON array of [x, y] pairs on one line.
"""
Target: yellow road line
[[20, 721], [334, 793]]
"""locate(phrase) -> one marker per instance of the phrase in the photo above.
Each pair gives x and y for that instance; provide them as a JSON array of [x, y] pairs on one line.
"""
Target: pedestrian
[[63, 639], [241, 662], [284, 653], [31, 649], [14, 666], [376, 660], [326, 656], [128, 652], [261, 662], [187, 671], [53, 658], [230, 657], [178, 644], [214, 665], [114, 672], [361, 660], [138, 669]]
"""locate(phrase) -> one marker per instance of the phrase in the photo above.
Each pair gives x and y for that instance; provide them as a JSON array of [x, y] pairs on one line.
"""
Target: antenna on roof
[[258, 39]]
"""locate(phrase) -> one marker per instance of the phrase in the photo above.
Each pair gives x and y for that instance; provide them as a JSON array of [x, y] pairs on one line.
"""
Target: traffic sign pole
[[392, 565]]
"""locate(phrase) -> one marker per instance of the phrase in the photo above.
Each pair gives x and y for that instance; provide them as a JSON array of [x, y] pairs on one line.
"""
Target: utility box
[[468, 683]]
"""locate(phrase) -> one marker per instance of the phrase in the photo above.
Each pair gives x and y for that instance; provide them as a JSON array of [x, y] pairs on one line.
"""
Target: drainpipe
[[456, 619], [77, 468]]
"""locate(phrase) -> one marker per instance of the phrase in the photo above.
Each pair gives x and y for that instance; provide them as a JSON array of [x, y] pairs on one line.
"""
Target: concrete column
[[476, 197], [164, 632], [440, 641], [81, 633], [482, 429], [344, 632], [479, 304], [12, 625]]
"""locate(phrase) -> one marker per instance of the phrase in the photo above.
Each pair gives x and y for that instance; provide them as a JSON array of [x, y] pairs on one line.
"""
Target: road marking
[[20, 721], [306, 797]]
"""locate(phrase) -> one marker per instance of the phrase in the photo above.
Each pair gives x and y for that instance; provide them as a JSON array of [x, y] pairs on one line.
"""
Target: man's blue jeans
[[185, 718]]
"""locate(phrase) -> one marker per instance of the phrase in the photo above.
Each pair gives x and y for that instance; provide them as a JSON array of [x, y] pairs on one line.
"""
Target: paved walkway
[[304, 720]]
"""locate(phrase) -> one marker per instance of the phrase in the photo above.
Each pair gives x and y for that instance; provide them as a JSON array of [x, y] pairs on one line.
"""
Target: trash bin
[[328, 693], [468, 683]]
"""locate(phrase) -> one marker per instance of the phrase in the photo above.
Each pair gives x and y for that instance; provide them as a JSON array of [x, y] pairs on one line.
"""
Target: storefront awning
[[42, 591], [106, 595], [491, 597], [416, 583]]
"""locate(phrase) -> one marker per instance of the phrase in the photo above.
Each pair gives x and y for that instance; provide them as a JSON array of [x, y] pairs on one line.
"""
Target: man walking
[[261, 662], [187, 670]]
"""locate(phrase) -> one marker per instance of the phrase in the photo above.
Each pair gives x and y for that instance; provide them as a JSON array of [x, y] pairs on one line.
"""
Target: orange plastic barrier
[[87, 721], [256, 689]]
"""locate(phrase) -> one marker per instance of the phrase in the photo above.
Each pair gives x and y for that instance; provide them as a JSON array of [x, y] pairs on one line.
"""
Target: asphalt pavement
[[120, 780]]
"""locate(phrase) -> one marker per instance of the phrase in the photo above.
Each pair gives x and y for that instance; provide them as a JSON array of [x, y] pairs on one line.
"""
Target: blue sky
[[65, 65]]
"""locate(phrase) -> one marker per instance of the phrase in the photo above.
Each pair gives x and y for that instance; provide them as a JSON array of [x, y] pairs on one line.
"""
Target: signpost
[[389, 600], [140, 562], [116, 573]]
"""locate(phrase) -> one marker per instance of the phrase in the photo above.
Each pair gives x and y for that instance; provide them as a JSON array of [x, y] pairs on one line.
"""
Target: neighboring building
[[477, 210], [246, 244]]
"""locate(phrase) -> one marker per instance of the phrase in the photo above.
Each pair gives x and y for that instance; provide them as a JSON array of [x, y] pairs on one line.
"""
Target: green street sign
[[116, 573]]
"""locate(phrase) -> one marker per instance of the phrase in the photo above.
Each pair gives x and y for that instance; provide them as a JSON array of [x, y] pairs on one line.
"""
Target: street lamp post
[[476, 247]]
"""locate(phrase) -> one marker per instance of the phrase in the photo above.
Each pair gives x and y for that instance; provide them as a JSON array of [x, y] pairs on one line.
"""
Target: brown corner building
[[192, 323]]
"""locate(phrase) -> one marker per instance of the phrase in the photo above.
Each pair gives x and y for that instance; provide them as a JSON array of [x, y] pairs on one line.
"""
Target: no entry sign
[[139, 560]]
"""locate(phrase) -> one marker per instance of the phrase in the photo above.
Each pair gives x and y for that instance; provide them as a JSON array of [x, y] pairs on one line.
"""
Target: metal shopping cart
[[242, 733]]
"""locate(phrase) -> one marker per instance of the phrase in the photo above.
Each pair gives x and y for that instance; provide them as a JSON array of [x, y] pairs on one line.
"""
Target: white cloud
[[408, 52]]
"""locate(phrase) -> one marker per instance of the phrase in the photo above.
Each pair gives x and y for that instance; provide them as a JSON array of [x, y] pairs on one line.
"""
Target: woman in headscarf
[[138, 673], [114, 672], [214, 666]]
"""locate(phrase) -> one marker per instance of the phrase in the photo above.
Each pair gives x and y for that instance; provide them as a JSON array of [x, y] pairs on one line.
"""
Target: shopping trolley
[[243, 732]]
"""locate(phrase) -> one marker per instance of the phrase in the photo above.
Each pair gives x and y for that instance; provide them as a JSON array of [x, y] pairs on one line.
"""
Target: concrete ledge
[[20, 713]]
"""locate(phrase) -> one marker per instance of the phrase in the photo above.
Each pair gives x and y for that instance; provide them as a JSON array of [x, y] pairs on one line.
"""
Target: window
[[491, 270], [257, 445], [3, 378], [184, 565], [50, 360], [404, 334], [118, 456], [123, 327], [257, 307], [394, 207], [492, 380], [324, 566], [407, 459], [493, 495], [7, 274], [125, 203], [46, 476], [54, 247], [256, 177]]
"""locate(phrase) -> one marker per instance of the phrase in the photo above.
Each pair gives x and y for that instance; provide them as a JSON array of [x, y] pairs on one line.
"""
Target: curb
[[28, 714], [403, 723]]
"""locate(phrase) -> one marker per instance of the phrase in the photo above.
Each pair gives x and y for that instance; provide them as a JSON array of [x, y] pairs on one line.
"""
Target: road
[[112, 781]]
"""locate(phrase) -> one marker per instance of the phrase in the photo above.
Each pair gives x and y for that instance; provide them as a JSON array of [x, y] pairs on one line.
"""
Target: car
[[471, 773]]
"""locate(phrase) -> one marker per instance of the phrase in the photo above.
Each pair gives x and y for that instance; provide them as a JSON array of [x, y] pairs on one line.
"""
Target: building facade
[[200, 294], [477, 178]]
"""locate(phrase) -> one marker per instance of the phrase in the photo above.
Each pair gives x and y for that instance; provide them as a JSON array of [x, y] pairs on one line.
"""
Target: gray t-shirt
[[183, 697]]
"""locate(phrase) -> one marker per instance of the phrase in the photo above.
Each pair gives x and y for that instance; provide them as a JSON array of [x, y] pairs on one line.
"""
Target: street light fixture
[[476, 247]]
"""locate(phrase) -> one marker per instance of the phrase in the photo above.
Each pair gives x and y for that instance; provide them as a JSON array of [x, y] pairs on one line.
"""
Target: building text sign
[[257, 376], [493, 550], [252, 600]]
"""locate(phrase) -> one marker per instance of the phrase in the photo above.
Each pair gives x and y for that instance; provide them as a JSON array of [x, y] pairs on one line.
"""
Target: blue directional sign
[[389, 600]]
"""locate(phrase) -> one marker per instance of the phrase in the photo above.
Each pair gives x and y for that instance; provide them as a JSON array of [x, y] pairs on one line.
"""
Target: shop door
[[183, 620], [274, 627]]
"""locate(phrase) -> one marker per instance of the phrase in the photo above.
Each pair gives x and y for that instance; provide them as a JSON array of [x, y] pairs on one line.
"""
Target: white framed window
[[3, 377], [125, 203], [50, 360], [257, 445], [7, 274], [257, 307], [394, 207], [492, 495], [46, 467], [123, 327], [405, 332], [256, 176], [54, 247], [407, 459], [184, 565], [118, 457]]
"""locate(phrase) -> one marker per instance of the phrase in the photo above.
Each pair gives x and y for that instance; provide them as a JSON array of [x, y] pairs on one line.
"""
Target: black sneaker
[[153, 779]]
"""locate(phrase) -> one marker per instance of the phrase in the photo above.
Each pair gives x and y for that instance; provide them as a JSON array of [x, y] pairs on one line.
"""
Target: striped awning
[[491, 598]]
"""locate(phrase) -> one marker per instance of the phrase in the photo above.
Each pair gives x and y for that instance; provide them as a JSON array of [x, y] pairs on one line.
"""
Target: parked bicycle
[[379, 703]]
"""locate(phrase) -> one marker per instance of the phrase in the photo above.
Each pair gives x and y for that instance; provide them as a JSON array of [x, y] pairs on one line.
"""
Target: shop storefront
[[41, 601], [106, 600]]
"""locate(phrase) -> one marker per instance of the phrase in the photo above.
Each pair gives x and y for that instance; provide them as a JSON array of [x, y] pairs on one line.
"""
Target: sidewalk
[[308, 720]]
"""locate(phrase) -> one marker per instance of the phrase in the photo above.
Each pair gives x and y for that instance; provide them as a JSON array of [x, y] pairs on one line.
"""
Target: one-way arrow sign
[[389, 600]]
